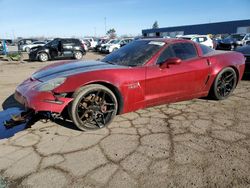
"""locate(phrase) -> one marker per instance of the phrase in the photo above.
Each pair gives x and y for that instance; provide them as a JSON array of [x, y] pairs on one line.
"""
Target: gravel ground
[[197, 143]]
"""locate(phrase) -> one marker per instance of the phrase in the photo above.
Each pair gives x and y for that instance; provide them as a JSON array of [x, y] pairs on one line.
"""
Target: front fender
[[129, 82]]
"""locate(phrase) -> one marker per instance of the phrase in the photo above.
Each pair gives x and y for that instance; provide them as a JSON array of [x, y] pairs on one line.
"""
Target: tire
[[27, 49], [224, 84], [43, 57], [94, 107], [78, 55]]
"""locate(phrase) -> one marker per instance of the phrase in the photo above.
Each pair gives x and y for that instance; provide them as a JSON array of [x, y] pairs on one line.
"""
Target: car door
[[53, 49], [68, 47], [176, 82]]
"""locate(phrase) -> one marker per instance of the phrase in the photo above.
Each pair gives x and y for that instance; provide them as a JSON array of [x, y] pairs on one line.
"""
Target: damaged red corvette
[[144, 73]]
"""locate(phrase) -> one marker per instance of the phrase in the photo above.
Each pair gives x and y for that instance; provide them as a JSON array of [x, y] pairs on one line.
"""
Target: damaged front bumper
[[27, 95]]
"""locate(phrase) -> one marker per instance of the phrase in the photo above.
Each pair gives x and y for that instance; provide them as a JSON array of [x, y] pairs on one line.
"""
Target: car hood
[[69, 68], [244, 50], [35, 48], [228, 41]]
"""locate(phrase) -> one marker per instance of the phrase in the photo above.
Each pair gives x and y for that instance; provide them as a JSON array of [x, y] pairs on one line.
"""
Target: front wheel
[[27, 49], [78, 55], [224, 84], [43, 57], [94, 107]]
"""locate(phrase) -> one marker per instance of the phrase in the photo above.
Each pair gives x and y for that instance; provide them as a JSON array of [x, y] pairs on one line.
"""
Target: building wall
[[240, 26]]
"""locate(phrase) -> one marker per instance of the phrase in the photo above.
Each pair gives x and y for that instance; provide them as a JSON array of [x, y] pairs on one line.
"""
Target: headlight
[[50, 84], [107, 48]]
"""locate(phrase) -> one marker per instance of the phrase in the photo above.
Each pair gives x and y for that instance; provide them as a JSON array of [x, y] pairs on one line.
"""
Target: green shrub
[[14, 56]]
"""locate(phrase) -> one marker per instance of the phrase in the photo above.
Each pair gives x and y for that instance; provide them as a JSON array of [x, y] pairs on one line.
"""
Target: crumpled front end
[[28, 95]]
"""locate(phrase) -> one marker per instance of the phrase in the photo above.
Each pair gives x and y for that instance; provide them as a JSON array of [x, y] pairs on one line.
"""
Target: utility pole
[[105, 24]]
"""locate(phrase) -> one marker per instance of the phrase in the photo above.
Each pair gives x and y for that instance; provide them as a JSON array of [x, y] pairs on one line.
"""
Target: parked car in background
[[245, 50], [9, 42], [92, 41], [23, 42], [106, 42], [85, 45], [100, 43], [202, 39], [233, 41], [115, 45], [27, 47], [58, 49], [142, 74]]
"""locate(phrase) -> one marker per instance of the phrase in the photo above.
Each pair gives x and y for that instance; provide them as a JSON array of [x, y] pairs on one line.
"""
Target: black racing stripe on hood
[[72, 68]]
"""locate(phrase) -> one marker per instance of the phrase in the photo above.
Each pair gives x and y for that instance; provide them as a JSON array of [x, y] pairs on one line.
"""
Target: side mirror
[[170, 61]]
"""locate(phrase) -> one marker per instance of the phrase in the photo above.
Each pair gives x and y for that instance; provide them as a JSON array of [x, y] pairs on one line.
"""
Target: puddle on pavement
[[10, 131]]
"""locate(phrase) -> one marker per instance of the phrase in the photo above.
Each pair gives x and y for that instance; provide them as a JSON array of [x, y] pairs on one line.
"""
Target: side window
[[184, 51], [202, 39], [54, 43], [247, 37], [205, 49], [166, 54], [28, 41], [195, 39]]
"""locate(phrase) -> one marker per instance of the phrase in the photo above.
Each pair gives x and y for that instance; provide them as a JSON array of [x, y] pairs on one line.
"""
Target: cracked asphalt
[[197, 143]]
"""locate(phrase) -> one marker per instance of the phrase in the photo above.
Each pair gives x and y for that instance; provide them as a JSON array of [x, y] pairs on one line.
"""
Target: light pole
[[105, 24]]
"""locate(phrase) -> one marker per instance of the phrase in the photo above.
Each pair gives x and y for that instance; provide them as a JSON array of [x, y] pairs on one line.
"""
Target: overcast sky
[[62, 18]]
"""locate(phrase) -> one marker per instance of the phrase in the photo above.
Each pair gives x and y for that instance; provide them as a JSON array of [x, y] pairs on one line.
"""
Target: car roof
[[195, 35], [167, 40]]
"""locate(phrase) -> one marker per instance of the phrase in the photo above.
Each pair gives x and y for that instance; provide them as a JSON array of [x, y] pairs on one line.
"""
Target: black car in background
[[233, 41], [58, 48], [100, 42], [245, 50]]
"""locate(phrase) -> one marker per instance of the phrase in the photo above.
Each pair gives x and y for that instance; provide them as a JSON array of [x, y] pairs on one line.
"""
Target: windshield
[[237, 37], [135, 53], [116, 41], [111, 41], [48, 44]]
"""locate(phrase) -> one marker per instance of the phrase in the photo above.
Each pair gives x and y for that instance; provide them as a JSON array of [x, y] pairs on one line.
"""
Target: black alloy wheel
[[94, 107], [224, 84]]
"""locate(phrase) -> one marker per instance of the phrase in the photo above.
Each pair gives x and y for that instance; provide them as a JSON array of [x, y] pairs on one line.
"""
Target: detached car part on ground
[[59, 48], [141, 74]]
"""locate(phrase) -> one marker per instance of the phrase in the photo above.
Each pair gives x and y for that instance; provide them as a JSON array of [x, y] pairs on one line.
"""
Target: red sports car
[[144, 73]]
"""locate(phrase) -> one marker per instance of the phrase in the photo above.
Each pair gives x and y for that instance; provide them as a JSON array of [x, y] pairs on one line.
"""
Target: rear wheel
[[94, 107], [78, 55], [224, 84], [43, 57]]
